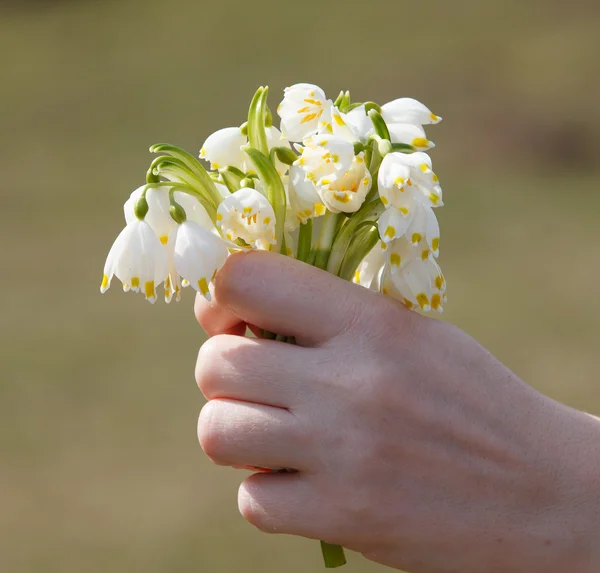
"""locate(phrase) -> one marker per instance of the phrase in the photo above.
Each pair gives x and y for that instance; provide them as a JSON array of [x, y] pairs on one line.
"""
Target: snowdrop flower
[[420, 284], [224, 147], [303, 200], [198, 254], [304, 109], [158, 216], [400, 172], [138, 259], [411, 134], [408, 110], [353, 126], [345, 192], [416, 222], [368, 272], [247, 215]]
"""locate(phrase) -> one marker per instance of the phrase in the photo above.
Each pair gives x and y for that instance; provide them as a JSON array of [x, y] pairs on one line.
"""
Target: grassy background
[[99, 465]]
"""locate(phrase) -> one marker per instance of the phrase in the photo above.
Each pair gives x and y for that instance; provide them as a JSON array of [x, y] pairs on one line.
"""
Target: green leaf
[[257, 136], [274, 189]]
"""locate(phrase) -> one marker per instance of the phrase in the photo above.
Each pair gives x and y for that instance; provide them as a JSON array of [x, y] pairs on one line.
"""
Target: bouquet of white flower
[[343, 186]]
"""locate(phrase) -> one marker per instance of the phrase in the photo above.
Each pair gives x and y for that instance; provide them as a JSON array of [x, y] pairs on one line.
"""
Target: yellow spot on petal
[[329, 128], [203, 286], [390, 232], [343, 198], [309, 117], [399, 182], [104, 284], [313, 101], [320, 209], [304, 109], [404, 211], [433, 117], [408, 303], [338, 119], [149, 290], [435, 244], [357, 276], [359, 159], [301, 161], [384, 290], [420, 142], [219, 217], [439, 282], [325, 182], [424, 167], [395, 259], [434, 198], [203, 152], [267, 220], [164, 239], [335, 158], [384, 200], [416, 238], [167, 283], [247, 210], [215, 165], [365, 181], [435, 178], [425, 254], [135, 282], [383, 246], [436, 301], [423, 300], [310, 176]]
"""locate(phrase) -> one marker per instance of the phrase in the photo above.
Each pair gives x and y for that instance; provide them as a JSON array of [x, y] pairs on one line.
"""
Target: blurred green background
[[99, 464]]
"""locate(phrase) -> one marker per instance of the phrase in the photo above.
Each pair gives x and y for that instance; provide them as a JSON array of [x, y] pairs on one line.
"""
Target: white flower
[[404, 177], [408, 110], [415, 221], [198, 254], [303, 200], [194, 211], [420, 284], [345, 192], [303, 110], [224, 147], [158, 216], [368, 272], [411, 134], [353, 126], [248, 215], [138, 259]]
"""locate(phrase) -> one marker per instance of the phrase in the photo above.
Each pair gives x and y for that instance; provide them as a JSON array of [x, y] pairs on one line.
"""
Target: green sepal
[[257, 136], [274, 188], [339, 99], [381, 128], [247, 182], [140, 209], [176, 211], [232, 177], [369, 105], [195, 167], [403, 147], [284, 154]]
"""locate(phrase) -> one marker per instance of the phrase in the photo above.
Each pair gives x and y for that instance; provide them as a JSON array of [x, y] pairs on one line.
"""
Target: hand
[[412, 444]]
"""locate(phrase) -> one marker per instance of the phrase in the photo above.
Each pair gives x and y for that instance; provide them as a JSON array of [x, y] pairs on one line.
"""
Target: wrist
[[569, 518]]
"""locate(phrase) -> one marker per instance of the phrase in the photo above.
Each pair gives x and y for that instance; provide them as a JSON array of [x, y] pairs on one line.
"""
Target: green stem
[[304, 241], [333, 555], [361, 246], [342, 241], [330, 222]]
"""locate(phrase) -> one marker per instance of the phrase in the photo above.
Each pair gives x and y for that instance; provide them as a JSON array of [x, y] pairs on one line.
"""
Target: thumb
[[288, 297]]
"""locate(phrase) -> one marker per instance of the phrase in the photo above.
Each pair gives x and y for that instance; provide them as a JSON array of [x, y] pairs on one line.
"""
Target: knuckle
[[207, 364], [210, 431], [251, 507]]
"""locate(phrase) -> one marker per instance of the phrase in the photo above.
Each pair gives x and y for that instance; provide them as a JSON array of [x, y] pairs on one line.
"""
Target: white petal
[[410, 134], [393, 224], [224, 147], [408, 110], [198, 255]]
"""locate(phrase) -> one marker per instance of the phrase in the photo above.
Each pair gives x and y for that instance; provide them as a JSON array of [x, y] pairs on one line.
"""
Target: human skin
[[411, 443]]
